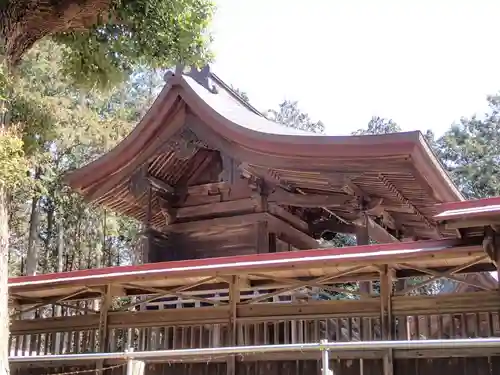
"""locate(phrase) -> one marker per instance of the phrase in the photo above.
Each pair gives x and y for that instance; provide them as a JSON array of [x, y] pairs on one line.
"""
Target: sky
[[424, 63]]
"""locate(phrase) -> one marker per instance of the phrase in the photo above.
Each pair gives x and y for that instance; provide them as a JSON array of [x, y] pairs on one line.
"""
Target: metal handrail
[[238, 350]]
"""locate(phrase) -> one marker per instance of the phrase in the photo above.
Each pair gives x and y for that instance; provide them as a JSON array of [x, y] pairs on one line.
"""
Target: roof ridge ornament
[[202, 76]]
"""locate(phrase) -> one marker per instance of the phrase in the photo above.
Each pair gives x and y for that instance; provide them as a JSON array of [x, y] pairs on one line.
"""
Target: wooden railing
[[467, 315]]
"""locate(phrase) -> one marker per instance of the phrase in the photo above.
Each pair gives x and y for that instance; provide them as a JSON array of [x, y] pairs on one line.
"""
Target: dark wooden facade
[[228, 200]]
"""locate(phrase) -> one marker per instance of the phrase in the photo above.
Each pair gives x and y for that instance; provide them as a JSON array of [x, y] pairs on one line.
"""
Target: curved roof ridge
[[238, 97]]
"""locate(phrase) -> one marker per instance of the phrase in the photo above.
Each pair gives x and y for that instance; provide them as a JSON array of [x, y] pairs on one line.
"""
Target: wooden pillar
[[262, 227], [273, 246], [107, 299], [386, 292], [403, 327], [146, 256], [262, 237], [495, 256], [362, 238], [234, 299]]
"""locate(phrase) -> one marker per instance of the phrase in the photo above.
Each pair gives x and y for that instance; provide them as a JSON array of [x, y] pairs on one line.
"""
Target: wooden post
[[234, 299], [146, 256], [496, 260], [362, 238], [272, 242], [103, 324], [386, 292], [403, 328], [262, 237]]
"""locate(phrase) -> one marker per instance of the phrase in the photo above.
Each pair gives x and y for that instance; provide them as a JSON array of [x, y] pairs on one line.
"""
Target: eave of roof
[[269, 143], [242, 264], [486, 207]]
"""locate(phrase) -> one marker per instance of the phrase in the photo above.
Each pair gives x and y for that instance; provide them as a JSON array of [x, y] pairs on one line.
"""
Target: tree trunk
[[25, 22], [32, 256], [59, 268], [4, 276]]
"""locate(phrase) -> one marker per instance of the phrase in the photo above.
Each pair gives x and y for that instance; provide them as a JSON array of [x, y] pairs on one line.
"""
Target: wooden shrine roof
[[197, 122], [357, 262]]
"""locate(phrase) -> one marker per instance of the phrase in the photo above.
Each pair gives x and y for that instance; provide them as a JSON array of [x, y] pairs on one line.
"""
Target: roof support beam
[[373, 206], [291, 235], [332, 225], [160, 185], [460, 223], [370, 205], [491, 245], [408, 204], [405, 201], [376, 232], [283, 197]]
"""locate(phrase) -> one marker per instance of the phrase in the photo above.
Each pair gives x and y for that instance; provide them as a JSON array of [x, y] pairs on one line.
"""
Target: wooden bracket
[[491, 245]]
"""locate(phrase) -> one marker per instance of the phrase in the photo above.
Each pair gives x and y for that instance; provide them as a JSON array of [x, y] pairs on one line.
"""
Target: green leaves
[[155, 33], [379, 125], [13, 166], [470, 150], [289, 114]]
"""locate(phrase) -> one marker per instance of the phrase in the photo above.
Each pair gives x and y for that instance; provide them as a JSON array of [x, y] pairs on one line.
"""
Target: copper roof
[[400, 167]]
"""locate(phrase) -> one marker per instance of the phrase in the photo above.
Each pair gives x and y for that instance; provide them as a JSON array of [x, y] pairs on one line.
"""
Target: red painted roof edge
[[462, 205], [237, 262]]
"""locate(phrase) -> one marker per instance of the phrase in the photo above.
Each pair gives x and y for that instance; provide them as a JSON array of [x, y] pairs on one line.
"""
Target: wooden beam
[[241, 206], [407, 203], [160, 185], [447, 275], [160, 293], [460, 223], [211, 188], [286, 198], [443, 274], [371, 205], [376, 232], [291, 235], [454, 303], [332, 225], [200, 168], [288, 217], [138, 184], [218, 222], [375, 208]]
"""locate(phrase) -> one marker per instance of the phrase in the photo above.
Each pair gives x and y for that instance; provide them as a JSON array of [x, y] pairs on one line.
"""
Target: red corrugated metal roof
[[469, 209], [240, 264]]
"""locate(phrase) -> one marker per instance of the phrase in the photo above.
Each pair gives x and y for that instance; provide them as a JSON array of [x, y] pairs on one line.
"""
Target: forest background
[[53, 230]]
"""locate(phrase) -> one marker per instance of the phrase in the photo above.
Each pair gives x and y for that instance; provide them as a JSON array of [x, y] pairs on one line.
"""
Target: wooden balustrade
[[467, 315]]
